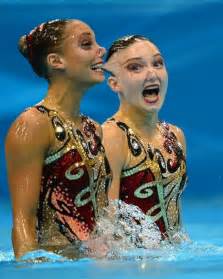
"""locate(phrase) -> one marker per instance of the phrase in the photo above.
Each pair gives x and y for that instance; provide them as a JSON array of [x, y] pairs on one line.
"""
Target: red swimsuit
[[74, 182], [153, 182]]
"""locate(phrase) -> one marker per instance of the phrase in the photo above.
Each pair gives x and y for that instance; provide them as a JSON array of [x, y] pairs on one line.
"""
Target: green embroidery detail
[[76, 176], [144, 191]]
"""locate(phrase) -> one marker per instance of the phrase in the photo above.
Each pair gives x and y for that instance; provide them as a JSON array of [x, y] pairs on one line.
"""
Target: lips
[[151, 93]]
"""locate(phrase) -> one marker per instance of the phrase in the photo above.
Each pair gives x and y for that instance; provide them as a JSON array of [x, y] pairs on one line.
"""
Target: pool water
[[200, 258], [189, 34]]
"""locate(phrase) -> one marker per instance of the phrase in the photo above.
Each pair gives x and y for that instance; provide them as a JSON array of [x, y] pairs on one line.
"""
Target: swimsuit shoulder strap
[[134, 143], [56, 120], [122, 125]]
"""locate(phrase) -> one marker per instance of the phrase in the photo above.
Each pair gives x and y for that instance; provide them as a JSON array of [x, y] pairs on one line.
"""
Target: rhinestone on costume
[[75, 191], [135, 145], [59, 129], [155, 177]]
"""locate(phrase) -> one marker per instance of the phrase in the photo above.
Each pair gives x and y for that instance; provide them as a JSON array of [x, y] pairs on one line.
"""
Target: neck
[[138, 119], [65, 98]]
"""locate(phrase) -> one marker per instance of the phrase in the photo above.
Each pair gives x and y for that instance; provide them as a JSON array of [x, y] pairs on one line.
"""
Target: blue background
[[190, 36]]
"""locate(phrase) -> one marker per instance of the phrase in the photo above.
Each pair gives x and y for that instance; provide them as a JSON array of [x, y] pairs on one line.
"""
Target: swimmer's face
[[140, 75], [81, 56]]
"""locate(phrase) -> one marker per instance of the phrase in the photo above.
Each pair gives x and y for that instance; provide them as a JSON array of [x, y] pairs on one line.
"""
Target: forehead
[[78, 28], [138, 49]]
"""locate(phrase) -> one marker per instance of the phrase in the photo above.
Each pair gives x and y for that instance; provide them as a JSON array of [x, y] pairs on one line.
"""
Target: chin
[[150, 107], [97, 75], [101, 79], [153, 110], [154, 107], [97, 79], [92, 82]]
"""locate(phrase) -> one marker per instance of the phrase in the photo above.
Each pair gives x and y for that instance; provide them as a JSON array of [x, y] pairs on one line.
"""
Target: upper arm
[[114, 143], [25, 146]]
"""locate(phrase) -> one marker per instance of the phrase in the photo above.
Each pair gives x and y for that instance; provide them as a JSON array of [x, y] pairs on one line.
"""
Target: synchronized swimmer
[[146, 155], [57, 169], [62, 173]]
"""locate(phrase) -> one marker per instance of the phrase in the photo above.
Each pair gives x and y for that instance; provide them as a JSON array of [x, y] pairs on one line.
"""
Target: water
[[200, 257], [189, 34]]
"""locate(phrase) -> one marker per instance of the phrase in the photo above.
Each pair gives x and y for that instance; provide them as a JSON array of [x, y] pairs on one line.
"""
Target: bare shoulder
[[30, 127], [179, 134], [112, 133], [115, 144]]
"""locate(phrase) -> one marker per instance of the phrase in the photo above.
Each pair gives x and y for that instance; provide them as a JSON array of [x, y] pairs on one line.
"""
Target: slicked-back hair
[[42, 40], [123, 43]]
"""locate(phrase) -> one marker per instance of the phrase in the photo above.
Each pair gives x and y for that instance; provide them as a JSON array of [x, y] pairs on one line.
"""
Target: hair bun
[[22, 45]]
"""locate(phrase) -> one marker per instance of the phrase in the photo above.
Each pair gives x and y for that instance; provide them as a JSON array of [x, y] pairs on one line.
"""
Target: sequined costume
[[74, 182], [152, 181]]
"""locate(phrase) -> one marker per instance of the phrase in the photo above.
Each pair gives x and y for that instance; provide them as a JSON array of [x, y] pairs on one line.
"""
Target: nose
[[151, 75], [101, 51]]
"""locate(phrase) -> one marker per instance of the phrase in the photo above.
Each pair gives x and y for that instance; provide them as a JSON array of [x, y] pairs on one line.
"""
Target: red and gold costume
[[74, 182], [154, 180]]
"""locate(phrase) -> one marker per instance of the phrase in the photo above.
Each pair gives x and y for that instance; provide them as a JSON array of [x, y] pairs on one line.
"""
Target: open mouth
[[151, 94], [97, 67]]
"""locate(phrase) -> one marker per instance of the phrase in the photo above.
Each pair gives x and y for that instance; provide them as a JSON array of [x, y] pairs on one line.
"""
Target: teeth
[[152, 90], [98, 70], [97, 67], [152, 87]]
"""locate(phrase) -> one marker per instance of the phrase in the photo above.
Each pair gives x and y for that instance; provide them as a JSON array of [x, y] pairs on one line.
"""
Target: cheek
[[165, 83], [134, 80], [80, 57], [87, 56], [165, 77]]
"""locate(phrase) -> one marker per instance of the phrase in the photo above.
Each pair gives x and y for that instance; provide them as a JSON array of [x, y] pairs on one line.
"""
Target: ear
[[114, 84], [55, 61]]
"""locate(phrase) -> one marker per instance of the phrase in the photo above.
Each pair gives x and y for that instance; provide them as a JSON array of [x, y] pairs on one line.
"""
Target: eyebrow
[[140, 58], [85, 33], [158, 54], [78, 35]]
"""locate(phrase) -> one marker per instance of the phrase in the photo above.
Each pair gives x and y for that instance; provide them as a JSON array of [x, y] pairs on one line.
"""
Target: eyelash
[[158, 63], [132, 67], [137, 67], [86, 44]]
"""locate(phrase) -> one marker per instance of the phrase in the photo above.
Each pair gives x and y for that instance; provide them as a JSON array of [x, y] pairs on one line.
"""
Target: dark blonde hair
[[123, 43], [42, 40]]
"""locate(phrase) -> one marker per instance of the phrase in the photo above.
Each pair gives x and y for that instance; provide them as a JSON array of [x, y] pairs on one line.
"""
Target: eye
[[86, 44], [159, 63], [134, 67]]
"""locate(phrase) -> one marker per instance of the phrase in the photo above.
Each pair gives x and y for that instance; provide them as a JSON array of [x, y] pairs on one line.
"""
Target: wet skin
[[31, 137], [139, 77]]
